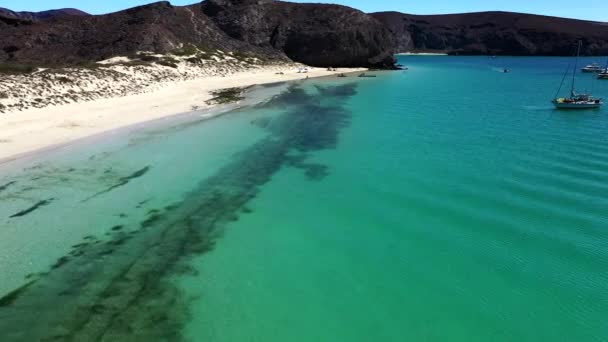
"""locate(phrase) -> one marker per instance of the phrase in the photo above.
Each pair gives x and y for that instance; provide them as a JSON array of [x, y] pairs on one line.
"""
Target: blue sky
[[589, 9]]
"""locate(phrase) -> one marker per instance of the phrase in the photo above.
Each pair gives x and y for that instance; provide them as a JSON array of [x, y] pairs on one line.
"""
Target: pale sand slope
[[422, 54], [25, 131]]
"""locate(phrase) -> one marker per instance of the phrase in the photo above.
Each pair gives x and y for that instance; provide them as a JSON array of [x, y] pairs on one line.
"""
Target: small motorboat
[[341, 75], [366, 75], [506, 71], [593, 67]]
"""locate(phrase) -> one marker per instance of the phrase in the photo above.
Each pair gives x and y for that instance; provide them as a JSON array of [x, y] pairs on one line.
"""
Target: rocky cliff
[[158, 27], [319, 35], [314, 34], [495, 33]]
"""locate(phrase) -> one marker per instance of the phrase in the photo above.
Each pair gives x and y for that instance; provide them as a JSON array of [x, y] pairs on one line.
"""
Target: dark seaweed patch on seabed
[[33, 208], [7, 185], [49, 177], [8, 299], [121, 182], [121, 290]]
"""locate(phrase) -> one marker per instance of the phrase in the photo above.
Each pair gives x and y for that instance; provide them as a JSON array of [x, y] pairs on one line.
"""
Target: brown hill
[[498, 33], [44, 15], [158, 27], [321, 35], [315, 34]]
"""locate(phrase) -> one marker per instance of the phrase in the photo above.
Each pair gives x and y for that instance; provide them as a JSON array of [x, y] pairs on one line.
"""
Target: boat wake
[[537, 108], [500, 70]]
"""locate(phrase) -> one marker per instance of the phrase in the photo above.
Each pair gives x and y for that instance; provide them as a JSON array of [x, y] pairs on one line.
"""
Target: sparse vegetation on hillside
[[13, 68], [167, 63], [63, 79], [147, 58], [186, 50], [118, 76], [228, 95]]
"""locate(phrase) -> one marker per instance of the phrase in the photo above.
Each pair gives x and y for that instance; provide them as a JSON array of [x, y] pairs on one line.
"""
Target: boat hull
[[564, 105]]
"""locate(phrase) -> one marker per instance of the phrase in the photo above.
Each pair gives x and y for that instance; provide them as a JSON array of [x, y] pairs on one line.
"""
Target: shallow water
[[449, 202]]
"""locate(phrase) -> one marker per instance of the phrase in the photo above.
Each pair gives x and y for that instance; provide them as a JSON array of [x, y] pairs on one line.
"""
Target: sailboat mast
[[578, 52]]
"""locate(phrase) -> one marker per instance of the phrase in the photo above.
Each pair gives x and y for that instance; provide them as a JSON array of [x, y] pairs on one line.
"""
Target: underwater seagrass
[[120, 289]]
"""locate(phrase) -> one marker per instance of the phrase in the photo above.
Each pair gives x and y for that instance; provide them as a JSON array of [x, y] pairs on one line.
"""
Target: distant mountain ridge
[[44, 15], [495, 33], [314, 34]]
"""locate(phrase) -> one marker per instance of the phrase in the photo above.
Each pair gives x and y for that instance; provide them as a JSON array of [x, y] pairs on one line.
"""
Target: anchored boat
[[575, 101], [604, 74], [593, 67]]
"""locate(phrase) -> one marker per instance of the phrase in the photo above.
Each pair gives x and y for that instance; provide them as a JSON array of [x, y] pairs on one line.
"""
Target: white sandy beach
[[32, 129]]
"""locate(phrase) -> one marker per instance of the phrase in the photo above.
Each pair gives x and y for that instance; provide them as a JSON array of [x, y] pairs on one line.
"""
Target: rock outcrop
[[319, 35], [72, 40], [495, 33], [314, 34]]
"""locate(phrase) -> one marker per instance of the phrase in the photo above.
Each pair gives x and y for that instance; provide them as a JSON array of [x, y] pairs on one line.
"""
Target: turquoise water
[[450, 202]]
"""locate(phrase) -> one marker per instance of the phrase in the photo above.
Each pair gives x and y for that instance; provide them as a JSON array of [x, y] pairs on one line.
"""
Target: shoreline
[[205, 114], [25, 133], [421, 54]]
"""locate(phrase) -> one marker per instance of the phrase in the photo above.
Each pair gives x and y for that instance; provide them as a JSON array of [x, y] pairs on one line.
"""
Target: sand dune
[[115, 96]]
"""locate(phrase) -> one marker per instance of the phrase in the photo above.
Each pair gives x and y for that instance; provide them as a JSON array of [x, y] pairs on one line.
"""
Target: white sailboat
[[576, 101], [604, 74]]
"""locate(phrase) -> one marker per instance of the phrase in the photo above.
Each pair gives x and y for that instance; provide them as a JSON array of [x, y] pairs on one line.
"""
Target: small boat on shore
[[575, 101], [366, 75], [593, 67]]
